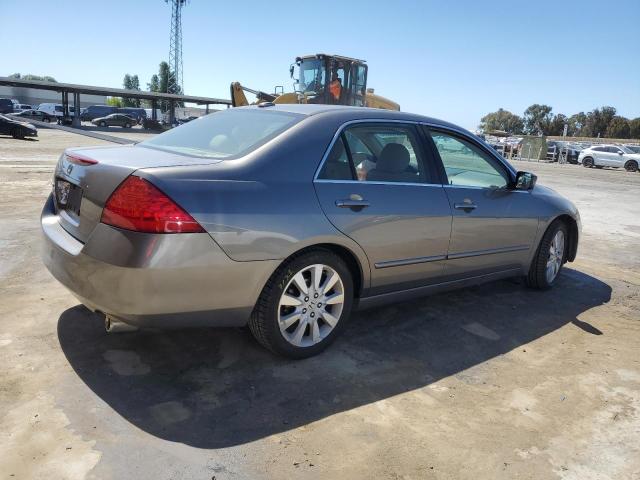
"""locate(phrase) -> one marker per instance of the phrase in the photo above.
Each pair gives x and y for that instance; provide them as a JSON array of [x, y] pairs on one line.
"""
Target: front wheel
[[127, 125], [17, 133], [550, 257], [631, 166], [304, 305], [103, 124]]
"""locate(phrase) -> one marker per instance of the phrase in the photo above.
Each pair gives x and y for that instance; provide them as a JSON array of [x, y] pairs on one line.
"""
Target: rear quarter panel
[[262, 206]]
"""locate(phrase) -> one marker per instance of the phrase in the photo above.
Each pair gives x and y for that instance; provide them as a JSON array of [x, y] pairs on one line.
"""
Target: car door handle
[[465, 206], [355, 202]]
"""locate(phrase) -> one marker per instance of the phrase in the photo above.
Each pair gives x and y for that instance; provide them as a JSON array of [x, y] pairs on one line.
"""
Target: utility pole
[[175, 83]]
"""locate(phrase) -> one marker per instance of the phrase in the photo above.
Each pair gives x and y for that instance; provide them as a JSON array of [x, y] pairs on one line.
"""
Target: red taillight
[[80, 159], [138, 205]]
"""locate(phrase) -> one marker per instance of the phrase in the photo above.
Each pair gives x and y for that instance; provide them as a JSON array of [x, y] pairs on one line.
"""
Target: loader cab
[[315, 74]]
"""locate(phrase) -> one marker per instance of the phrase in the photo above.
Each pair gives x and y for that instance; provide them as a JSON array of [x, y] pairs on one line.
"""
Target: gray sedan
[[288, 217]]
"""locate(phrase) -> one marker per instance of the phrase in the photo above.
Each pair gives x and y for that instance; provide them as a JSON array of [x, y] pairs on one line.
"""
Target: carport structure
[[76, 90]]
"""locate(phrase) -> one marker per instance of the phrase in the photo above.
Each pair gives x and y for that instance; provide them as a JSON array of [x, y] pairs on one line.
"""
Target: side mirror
[[620, 153], [525, 181]]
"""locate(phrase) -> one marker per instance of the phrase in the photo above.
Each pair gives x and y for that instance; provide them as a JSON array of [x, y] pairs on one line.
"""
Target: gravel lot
[[496, 382]]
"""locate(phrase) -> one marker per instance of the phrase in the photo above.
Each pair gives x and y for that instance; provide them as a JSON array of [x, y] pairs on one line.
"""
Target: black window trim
[[491, 153], [427, 154]]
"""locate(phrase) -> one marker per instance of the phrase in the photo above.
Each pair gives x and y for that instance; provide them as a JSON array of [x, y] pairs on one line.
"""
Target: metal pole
[[76, 109]]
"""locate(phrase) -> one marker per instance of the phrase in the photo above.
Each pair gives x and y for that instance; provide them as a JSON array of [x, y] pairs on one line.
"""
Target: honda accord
[[288, 217]]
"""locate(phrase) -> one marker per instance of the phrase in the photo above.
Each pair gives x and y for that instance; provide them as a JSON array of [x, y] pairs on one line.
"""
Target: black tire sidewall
[[631, 166], [588, 162], [281, 279], [537, 275]]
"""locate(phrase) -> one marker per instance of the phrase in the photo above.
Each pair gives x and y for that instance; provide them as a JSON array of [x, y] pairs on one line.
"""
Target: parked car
[[255, 215], [138, 114], [55, 110], [610, 156], [557, 148], [6, 105], [95, 111], [16, 128], [34, 115], [114, 120], [633, 148], [21, 107]]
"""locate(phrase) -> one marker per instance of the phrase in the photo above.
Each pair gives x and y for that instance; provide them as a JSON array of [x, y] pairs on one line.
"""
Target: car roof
[[357, 113]]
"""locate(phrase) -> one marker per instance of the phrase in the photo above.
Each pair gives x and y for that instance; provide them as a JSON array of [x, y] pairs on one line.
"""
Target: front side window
[[376, 153], [466, 164], [226, 134]]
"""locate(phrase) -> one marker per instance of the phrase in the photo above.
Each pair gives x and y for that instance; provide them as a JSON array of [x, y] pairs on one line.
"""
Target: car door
[[493, 227], [600, 156], [379, 186], [616, 157]]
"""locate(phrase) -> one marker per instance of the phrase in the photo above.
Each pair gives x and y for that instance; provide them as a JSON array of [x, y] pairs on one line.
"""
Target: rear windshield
[[226, 134]]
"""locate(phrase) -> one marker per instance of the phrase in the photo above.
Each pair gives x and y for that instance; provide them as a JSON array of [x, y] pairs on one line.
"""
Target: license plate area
[[68, 196]]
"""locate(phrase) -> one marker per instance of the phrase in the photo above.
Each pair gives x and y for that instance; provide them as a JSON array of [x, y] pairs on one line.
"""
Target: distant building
[[34, 97]]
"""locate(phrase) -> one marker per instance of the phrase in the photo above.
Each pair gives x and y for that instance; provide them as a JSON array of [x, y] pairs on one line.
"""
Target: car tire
[[587, 162], [550, 257], [286, 327], [127, 125], [17, 133], [631, 166], [102, 124], [46, 120]]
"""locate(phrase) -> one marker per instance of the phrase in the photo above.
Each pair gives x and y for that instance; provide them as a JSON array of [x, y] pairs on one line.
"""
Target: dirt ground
[[495, 382]]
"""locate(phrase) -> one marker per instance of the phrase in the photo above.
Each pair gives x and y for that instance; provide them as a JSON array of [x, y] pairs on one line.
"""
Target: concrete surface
[[495, 382]]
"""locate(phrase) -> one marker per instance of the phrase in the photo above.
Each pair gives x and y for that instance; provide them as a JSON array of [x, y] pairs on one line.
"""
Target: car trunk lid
[[85, 178]]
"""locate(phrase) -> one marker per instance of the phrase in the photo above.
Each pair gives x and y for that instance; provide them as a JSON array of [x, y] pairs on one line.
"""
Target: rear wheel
[[631, 166], [304, 305], [127, 125], [550, 257], [46, 119], [587, 162]]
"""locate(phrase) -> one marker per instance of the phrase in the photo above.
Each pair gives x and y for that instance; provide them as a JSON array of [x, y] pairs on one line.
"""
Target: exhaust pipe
[[113, 325]]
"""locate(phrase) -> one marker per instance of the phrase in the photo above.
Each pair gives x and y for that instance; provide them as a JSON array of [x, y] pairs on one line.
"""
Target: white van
[[54, 109]]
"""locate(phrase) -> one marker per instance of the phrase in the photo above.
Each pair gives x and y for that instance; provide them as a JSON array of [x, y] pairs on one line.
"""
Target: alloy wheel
[[311, 305], [556, 255]]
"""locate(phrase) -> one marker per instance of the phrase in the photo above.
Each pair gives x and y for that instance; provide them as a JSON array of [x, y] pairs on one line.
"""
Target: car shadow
[[214, 388]]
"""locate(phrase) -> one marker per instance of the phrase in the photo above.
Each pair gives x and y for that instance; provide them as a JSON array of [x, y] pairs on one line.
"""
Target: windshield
[[312, 76], [634, 148], [230, 133], [626, 150]]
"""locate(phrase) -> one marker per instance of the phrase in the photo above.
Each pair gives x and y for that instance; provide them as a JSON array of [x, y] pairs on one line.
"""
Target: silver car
[[617, 156], [288, 217]]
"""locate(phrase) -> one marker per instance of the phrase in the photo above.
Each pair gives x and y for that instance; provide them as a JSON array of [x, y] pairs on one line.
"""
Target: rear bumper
[[153, 280]]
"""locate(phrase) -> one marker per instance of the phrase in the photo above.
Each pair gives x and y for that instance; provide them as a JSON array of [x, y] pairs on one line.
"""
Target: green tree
[[29, 76], [598, 121], [502, 120], [537, 119], [576, 124], [619, 128], [634, 128], [115, 102], [131, 82], [556, 126]]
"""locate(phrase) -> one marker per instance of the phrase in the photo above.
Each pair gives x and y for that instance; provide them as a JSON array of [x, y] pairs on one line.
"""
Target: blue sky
[[454, 60]]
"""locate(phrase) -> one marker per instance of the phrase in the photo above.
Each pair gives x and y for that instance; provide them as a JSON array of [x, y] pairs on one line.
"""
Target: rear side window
[[377, 152], [227, 134]]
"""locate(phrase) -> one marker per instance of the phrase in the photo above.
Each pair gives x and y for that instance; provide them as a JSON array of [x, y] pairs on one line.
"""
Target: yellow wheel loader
[[321, 78]]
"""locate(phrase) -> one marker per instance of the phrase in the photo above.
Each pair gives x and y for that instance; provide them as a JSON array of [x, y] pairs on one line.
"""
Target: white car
[[609, 156]]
